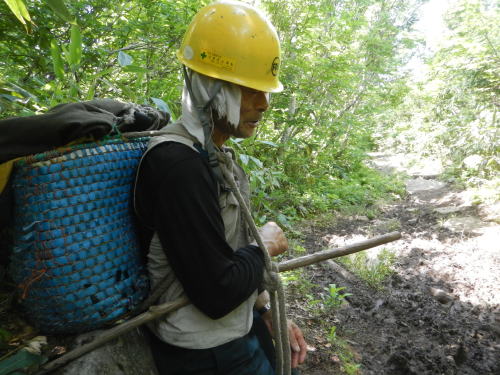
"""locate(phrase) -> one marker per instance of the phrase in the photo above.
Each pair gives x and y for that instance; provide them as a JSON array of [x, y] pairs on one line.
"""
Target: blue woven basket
[[76, 258]]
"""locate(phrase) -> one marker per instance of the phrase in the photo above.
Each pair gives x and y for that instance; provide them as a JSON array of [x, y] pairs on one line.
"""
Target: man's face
[[253, 104]]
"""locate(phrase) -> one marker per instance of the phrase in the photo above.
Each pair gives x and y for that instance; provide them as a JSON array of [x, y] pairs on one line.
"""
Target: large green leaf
[[60, 9], [18, 7], [57, 60], [75, 47], [24, 11]]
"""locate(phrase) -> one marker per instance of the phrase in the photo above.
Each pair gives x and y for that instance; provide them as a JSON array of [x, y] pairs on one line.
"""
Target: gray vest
[[188, 327]]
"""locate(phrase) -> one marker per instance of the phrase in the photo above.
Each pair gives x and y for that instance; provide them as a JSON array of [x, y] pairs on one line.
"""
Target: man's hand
[[297, 343], [274, 239]]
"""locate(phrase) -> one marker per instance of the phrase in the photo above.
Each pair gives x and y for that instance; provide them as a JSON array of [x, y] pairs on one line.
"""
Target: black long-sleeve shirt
[[177, 196]]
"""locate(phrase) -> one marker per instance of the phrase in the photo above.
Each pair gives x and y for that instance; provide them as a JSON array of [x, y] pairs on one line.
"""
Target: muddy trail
[[438, 313]]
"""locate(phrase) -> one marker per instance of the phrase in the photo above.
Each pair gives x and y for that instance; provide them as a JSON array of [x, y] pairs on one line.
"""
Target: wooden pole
[[155, 312], [320, 256]]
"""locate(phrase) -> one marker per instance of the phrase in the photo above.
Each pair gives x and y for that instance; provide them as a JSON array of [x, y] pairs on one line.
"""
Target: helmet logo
[[219, 61], [275, 66]]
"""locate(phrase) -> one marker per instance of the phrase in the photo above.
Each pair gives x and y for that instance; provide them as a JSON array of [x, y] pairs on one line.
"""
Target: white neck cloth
[[226, 103]]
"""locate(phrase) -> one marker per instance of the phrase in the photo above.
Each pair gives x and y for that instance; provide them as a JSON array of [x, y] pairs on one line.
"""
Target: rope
[[272, 282]]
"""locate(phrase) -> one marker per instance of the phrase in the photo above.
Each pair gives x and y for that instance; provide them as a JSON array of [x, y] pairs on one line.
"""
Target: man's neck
[[219, 137]]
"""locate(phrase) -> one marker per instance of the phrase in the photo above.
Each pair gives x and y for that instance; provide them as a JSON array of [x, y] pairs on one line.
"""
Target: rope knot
[[271, 278]]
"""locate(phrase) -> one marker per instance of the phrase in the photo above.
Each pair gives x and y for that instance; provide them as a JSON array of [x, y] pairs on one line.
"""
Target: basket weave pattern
[[76, 258]]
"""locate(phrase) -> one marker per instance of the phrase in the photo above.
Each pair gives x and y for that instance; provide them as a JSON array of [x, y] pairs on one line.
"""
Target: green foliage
[[334, 297], [373, 271], [343, 351], [340, 71], [37, 72], [452, 114], [295, 279]]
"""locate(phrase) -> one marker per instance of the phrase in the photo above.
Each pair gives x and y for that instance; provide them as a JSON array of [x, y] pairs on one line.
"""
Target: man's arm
[[180, 200]]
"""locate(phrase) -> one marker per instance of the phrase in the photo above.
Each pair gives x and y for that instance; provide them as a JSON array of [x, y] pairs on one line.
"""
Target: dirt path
[[439, 313]]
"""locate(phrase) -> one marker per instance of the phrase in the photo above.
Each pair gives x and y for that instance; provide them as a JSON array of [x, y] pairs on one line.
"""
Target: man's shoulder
[[171, 152]]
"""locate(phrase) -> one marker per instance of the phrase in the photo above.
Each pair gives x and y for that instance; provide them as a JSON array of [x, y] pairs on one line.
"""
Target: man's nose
[[261, 101]]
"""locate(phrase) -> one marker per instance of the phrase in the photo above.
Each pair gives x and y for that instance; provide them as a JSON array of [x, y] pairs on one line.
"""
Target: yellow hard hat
[[235, 42]]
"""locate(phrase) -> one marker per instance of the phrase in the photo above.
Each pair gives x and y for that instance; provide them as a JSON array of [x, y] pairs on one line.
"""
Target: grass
[[373, 272], [297, 280], [345, 354]]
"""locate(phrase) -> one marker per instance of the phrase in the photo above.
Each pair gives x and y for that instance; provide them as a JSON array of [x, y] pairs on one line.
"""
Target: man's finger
[[301, 343], [293, 340], [295, 359], [303, 347]]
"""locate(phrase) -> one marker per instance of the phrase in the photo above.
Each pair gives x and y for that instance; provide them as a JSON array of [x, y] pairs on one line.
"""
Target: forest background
[[348, 90]]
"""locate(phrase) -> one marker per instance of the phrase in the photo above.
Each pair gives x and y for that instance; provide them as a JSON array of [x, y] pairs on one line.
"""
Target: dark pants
[[243, 356]]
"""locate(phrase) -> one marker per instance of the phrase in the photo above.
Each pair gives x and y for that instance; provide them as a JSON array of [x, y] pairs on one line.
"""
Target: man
[[230, 55]]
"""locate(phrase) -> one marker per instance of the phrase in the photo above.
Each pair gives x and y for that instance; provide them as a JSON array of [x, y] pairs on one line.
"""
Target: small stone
[[466, 224], [447, 210], [362, 218], [421, 185], [440, 295], [473, 162]]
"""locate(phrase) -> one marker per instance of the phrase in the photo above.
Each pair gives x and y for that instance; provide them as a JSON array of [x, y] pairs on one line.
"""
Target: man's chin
[[244, 134]]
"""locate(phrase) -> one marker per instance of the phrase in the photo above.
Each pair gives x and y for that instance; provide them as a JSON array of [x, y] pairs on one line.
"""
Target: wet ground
[[438, 313]]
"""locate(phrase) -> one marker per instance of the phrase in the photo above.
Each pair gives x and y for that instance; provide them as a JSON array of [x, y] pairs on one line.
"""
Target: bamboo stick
[[155, 312]]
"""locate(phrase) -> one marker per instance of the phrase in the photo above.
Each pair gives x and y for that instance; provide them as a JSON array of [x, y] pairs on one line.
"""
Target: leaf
[[24, 11], [124, 59], [73, 90], [14, 7], [103, 73], [244, 159], [268, 143], [282, 219], [18, 7], [75, 47], [15, 88], [162, 106], [10, 97], [135, 69], [57, 60], [256, 161], [60, 9]]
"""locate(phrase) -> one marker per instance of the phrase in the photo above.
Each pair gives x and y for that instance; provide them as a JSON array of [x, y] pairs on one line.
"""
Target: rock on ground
[[128, 354]]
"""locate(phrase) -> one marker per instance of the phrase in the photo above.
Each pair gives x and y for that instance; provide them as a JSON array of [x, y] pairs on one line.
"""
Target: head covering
[[226, 103]]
